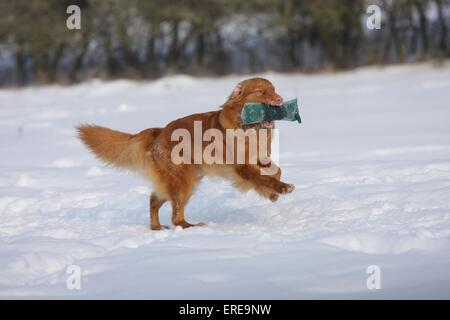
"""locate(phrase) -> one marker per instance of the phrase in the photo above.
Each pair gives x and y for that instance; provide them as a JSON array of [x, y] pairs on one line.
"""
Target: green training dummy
[[261, 112]]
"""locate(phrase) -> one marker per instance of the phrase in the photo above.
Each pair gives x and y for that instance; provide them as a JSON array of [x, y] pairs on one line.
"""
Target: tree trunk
[[174, 50], [20, 67], [443, 27], [422, 27], [200, 48]]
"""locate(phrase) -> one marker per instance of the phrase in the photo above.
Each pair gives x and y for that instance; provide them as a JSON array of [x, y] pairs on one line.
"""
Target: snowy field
[[371, 165]]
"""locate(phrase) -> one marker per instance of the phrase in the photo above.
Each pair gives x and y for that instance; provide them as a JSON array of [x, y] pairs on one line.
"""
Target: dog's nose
[[278, 101]]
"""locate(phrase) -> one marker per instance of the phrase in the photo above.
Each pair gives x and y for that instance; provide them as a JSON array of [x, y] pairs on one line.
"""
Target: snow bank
[[371, 163]]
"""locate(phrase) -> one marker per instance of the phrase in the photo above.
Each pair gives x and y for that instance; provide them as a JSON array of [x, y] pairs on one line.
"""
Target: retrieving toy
[[261, 112]]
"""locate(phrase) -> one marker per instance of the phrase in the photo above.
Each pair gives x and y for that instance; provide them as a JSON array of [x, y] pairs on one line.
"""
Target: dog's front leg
[[254, 174], [268, 167]]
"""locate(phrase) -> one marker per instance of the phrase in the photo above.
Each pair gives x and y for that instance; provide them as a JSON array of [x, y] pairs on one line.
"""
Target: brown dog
[[149, 153]]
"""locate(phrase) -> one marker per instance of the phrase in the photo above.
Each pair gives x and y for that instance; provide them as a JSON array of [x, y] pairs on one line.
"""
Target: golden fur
[[149, 154]]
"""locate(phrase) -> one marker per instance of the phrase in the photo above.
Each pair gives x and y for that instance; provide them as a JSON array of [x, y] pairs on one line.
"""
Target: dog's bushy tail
[[117, 148]]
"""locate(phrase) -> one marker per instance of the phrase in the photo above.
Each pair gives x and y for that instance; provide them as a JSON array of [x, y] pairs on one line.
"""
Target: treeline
[[142, 39]]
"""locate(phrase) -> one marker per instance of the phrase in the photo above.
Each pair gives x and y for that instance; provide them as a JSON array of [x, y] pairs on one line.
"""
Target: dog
[[149, 153]]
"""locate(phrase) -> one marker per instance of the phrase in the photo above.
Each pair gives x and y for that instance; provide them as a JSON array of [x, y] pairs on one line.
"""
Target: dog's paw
[[200, 224], [273, 197], [159, 227], [185, 224], [287, 188]]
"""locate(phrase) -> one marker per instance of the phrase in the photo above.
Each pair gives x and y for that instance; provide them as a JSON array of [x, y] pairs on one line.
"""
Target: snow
[[371, 165]]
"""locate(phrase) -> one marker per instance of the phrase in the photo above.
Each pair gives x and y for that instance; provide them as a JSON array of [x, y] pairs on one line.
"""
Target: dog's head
[[256, 90], [250, 90]]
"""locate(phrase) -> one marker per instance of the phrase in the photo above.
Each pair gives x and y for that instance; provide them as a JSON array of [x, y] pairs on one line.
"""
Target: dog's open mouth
[[267, 124]]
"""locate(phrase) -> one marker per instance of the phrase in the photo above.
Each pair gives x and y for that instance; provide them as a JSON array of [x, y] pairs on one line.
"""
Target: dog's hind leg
[[155, 204], [180, 187], [178, 218]]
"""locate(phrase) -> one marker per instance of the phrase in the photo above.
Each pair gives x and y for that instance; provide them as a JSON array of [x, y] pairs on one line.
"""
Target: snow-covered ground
[[371, 165]]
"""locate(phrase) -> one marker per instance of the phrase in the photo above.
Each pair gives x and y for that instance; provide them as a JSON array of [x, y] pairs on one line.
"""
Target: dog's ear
[[237, 91]]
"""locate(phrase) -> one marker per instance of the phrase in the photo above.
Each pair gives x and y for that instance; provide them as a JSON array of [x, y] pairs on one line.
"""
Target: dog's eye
[[260, 91]]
